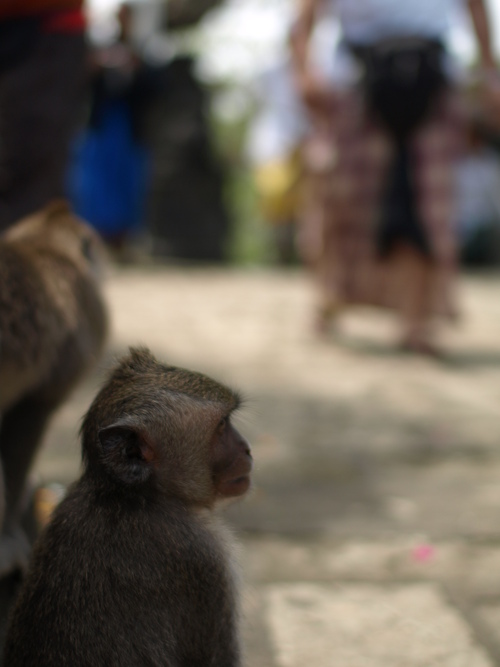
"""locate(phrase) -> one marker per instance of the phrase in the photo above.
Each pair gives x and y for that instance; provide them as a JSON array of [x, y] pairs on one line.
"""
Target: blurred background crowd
[[356, 142], [247, 131]]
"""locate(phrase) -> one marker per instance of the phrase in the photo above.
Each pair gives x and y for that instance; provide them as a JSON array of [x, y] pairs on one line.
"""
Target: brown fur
[[52, 329], [134, 568]]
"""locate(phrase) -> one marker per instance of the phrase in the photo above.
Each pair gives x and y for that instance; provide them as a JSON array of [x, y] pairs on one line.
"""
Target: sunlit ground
[[372, 532]]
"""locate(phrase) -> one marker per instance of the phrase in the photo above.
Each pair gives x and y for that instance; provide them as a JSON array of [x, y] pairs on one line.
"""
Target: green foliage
[[250, 238], [249, 242]]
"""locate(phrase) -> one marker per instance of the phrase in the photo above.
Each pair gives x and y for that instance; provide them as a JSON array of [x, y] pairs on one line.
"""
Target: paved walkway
[[372, 537]]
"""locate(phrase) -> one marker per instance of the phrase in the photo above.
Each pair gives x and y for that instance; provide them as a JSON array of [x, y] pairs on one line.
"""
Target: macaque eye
[[223, 424], [87, 250]]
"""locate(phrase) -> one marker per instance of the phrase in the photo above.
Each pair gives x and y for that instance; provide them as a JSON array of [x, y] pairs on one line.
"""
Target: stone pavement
[[372, 536]]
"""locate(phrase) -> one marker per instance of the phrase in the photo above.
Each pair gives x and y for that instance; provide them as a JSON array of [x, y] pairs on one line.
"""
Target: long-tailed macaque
[[134, 568], [52, 330]]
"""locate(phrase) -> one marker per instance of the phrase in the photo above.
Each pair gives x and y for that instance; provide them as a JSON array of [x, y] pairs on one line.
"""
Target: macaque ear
[[126, 453]]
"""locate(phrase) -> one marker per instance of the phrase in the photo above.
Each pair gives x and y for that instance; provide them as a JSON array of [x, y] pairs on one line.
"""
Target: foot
[[421, 347], [324, 318]]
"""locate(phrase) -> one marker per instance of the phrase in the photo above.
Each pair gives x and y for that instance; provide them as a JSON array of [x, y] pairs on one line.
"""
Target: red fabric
[[71, 21], [10, 9]]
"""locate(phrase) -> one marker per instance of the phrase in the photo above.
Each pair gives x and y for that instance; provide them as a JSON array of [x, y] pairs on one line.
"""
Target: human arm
[[311, 86], [301, 34], [490, 74], [482, 29]]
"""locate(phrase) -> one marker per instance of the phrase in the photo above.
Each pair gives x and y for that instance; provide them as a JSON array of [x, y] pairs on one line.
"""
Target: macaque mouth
[[245, 469], [240, 480], [238, 486]]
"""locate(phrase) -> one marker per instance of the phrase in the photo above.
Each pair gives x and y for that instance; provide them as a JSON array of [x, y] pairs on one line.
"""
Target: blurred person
[[379, 221], [107, 180], [276, 132], [478, 197], [42, 75], [187, 213]]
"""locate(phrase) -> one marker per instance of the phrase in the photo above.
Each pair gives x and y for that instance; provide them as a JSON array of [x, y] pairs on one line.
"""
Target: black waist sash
[[402, 78]]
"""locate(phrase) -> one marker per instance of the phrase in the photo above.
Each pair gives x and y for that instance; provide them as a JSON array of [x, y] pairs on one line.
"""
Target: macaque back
[[134, 568]]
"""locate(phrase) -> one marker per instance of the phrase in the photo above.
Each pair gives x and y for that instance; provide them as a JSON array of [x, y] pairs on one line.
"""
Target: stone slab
[[470, 569], [363, 625]]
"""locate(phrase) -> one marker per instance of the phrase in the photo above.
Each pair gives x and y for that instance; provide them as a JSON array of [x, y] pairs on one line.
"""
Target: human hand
[[314, 91]]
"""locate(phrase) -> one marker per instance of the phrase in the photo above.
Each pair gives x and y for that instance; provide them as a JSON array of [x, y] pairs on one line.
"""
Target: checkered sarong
[[346, 160]]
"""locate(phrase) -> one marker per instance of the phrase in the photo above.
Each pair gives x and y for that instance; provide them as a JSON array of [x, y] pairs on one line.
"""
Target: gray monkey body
[[116, 588], [52, 315], [53, 325], [135, 568]]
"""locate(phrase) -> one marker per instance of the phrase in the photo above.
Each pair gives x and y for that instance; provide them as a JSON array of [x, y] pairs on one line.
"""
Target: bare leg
[[414, 280], [314, 242], [20, 433]]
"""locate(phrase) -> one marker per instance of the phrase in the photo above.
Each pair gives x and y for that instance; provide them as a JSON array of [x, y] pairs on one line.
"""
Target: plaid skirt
[[346, 159]]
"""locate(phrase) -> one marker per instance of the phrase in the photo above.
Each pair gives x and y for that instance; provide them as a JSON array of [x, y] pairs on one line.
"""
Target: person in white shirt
[[386, 128]]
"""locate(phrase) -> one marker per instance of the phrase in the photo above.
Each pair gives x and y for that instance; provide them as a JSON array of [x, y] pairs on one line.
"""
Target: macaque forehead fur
[[175, 410], [56, 230]]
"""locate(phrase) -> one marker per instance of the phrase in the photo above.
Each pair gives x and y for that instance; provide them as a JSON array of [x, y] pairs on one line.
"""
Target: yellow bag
[[277, 185]]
